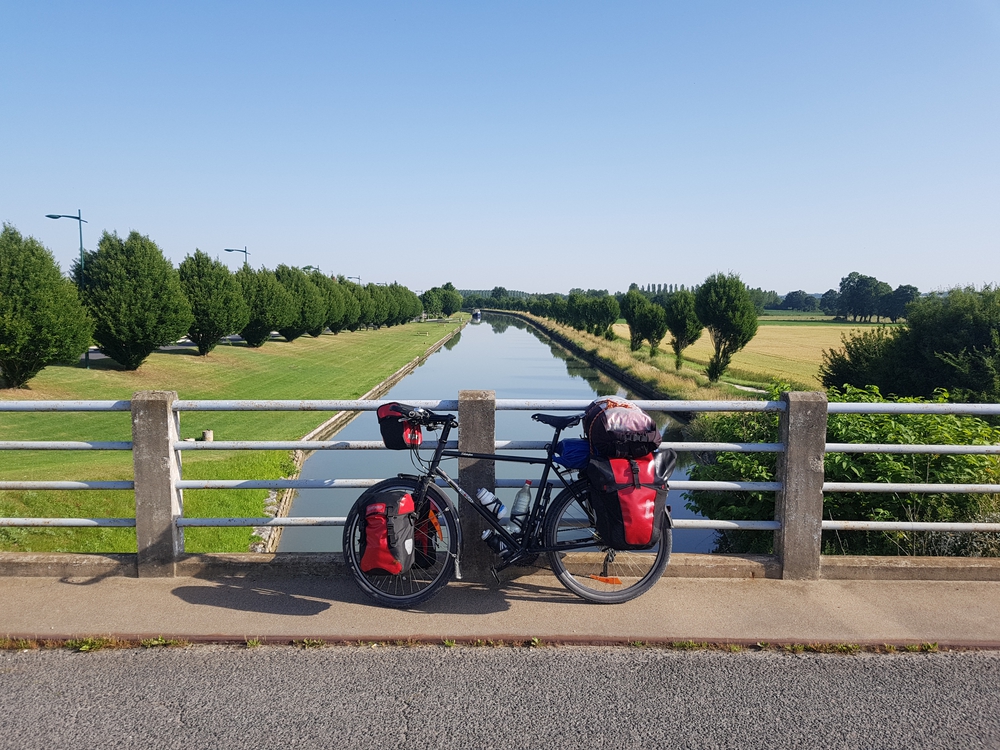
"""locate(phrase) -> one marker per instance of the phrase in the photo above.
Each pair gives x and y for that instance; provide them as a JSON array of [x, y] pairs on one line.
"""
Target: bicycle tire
[[420, 583], [598, 574]]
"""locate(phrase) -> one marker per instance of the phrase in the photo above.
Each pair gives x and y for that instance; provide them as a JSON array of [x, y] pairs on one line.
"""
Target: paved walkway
[[676, 609]]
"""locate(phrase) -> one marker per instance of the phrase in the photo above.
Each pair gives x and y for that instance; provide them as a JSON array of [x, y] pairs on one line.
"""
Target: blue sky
[[535, 145]]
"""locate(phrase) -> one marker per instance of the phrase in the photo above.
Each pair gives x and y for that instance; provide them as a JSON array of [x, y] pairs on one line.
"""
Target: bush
[[950, 340], [41, 318], [216, 300], [848, 467], [134, 295]]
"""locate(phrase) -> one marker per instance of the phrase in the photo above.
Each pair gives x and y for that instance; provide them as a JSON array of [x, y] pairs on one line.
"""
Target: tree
[[216, 300], [652, 322], [451, 301], [683, 323], [799, 300], [631, 305], [271, 306], [41, 317], [499, 292], [352, 308], [333, 297], [723, 304], [829, 304], [308, 303], [432, 301], [893, 305], [605, 311], [134, 295]]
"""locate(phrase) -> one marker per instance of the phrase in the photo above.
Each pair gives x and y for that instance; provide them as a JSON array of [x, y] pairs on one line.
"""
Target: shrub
[[854, 467], [41, 318]]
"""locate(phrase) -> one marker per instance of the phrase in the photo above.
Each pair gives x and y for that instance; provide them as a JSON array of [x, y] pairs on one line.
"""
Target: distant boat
[[477, 314]]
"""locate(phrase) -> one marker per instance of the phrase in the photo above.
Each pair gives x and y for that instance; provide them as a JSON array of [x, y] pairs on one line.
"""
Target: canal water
[[501, 354]]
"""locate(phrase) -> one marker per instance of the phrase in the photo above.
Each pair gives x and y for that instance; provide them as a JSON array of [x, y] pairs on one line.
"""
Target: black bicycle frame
[[530, 529]]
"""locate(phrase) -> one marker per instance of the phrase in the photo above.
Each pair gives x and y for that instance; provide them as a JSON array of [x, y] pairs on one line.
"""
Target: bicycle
[[564, 528]]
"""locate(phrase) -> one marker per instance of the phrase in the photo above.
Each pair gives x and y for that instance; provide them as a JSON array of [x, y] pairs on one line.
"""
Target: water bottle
[[519, 510], [494, 542], [491, 502]]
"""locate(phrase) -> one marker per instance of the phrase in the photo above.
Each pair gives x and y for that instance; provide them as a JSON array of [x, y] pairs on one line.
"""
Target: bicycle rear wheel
[[438, 535], [588, 567]]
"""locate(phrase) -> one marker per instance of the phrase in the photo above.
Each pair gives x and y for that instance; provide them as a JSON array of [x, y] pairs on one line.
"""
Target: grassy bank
[[329, 367], [656, 372]]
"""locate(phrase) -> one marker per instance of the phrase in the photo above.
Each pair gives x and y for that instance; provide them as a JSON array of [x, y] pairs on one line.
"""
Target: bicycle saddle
[[560, 423]]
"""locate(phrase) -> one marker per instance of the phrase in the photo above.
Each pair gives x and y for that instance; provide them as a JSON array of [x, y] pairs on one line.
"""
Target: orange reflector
[[434, 522], [607, 579]]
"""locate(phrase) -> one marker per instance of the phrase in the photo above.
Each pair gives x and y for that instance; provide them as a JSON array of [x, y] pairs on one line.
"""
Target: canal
[[501, 354]]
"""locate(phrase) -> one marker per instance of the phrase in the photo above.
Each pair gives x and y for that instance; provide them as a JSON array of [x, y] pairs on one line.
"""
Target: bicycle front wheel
[[588, 567], [436, 539]]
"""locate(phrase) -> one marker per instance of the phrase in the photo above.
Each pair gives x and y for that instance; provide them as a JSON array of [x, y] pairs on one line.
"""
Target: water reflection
[[505, 355]]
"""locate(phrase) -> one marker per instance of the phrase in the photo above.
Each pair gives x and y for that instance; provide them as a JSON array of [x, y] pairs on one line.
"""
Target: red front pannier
[[628, 496], [387, 533], [398, 433]]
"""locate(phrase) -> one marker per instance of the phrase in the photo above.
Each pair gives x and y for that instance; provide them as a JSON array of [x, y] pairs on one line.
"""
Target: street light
[[237, 250], [354, 277], [311, 268], [80, 222]]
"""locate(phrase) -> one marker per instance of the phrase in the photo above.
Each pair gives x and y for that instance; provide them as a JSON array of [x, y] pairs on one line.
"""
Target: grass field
[[329, 367], [786, 350]]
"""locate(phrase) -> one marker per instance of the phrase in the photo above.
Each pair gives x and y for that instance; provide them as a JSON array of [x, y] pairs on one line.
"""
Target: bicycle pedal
[[607, 579]]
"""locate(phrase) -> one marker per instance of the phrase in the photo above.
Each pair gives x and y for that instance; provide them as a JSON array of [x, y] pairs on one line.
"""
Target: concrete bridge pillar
[[158, 502], [476, 434], [799, 504]]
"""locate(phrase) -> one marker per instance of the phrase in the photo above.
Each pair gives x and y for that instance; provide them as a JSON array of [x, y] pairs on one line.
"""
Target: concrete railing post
[[799, 504], [476, 434], [158, 502]]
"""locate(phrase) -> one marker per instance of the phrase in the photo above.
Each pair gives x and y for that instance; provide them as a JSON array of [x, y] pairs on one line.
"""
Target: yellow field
[[784, 352]]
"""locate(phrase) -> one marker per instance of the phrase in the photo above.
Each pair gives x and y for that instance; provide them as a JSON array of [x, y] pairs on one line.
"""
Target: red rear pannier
[[398, 433], [387, 533], [628, 496]]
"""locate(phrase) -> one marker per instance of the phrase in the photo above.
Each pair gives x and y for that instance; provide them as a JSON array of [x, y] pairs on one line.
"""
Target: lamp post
[[80, 222], [237, 250], [354, 277]]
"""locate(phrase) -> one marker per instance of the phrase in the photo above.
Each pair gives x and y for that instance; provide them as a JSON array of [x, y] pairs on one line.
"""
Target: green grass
[[329, 367]]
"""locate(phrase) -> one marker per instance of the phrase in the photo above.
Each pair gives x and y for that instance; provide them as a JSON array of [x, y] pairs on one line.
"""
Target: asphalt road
[[467, 697]]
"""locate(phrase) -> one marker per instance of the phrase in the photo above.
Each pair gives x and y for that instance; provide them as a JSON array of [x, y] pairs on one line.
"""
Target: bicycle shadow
[[285, 597]]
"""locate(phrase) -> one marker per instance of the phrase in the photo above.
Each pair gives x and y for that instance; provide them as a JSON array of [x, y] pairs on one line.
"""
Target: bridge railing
[[799, 485]]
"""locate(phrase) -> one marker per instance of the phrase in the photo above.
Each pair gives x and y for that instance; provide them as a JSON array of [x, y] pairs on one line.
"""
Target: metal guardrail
[[500, 445]]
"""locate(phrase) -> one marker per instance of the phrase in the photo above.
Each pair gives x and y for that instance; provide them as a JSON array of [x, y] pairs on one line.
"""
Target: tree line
[[129, 299], [722, 304]]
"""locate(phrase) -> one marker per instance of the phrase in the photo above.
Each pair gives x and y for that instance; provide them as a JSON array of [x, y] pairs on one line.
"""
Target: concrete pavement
[[955, 613]]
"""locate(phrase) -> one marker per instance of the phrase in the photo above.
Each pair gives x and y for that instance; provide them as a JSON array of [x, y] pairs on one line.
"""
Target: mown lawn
[[344, 366]]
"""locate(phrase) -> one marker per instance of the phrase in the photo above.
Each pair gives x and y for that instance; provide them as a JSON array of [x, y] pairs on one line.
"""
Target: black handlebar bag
[[629, 496], [398, 433]]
